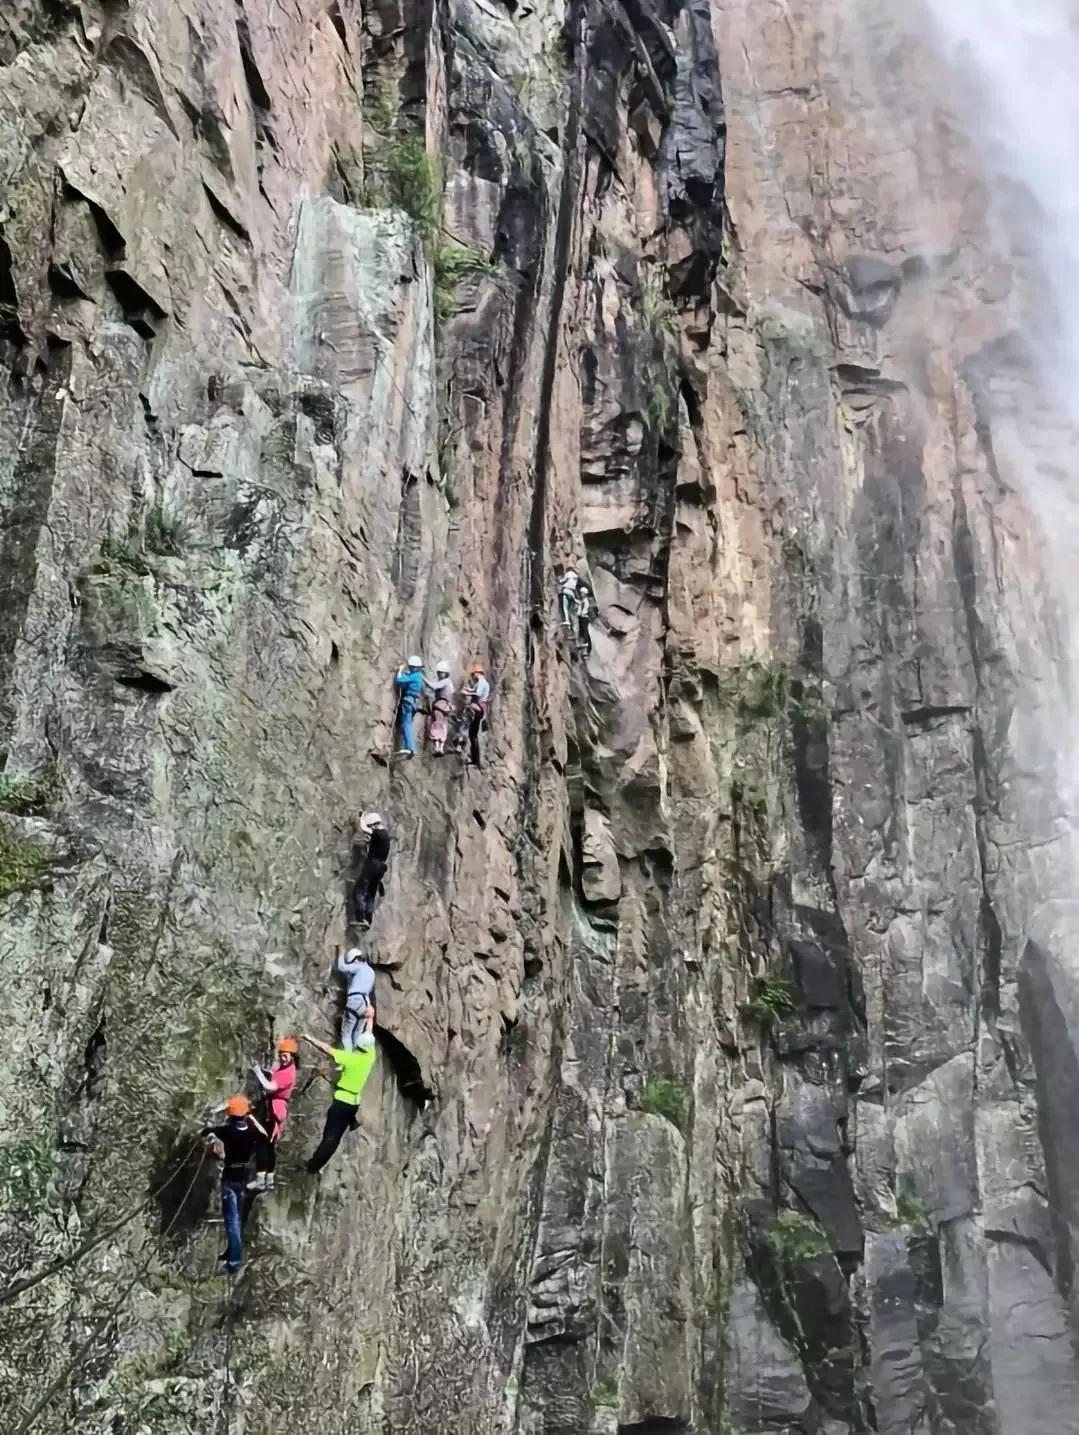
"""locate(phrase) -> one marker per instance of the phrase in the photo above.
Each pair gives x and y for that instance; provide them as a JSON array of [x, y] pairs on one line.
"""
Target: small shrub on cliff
[[910, 1211], [23, 862], [605, 1392], [162, 534], [406, 176], [795, 1238], [665, 1098], [773, 999], [765, 690], [24, 1176], [454, 262], [26, 796], [123, 557], [759, 692], [166, 533]]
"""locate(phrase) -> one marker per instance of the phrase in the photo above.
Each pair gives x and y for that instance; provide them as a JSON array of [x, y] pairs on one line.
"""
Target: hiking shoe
[[260, 1182]]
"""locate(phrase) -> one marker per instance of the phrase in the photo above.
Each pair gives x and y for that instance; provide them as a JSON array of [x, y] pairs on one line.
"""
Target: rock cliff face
[[727, 1081]]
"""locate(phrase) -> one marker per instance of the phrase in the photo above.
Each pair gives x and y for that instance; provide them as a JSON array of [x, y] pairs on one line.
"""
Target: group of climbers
[[244, 1140], [458, 725]]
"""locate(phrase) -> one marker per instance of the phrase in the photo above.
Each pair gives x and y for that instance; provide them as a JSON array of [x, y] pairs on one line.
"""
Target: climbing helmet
[[237, 1106]]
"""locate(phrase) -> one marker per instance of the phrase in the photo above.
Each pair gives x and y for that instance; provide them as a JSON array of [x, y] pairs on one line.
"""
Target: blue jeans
[[233, 1195], [404, 723]]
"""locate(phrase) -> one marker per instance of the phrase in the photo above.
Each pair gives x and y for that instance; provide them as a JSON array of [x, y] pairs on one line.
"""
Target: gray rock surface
[[727, 1025]]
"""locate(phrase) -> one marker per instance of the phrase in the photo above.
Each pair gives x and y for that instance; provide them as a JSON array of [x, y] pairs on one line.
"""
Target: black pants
[[584, 637], [366, 889], [266, 1154], [340, 1118], [475, 723]]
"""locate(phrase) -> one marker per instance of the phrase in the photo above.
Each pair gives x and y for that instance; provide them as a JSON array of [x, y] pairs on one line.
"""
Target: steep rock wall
[[721, 1086]]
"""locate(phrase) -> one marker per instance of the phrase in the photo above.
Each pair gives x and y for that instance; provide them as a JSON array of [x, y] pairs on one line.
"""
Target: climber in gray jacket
[[359, 978]]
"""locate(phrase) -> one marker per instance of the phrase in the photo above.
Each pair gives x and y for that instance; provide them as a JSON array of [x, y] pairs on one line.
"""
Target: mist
[[1015, 64]]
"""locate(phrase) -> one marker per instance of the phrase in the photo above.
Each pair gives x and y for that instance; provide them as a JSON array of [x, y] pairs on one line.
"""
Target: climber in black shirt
[[373, 870], [235, 1143], [584, 607]]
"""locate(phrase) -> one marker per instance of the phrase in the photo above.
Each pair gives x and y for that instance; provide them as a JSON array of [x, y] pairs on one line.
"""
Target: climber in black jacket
[[373, 869], [236, 1143]]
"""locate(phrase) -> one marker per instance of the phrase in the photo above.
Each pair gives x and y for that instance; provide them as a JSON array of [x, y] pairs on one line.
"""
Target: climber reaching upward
[[441, 707], [409, 681], [373, 868], [359, 978], [277, 1087], [235, 1143], [353, 1069]]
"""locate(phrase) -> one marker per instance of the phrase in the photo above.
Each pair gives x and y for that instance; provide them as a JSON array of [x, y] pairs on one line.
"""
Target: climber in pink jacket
[[438, 726], [277, 1087]]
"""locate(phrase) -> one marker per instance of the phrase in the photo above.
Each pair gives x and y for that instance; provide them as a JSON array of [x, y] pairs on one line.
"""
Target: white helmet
[[354, 954], [415, 662], [370, 820], [442, 668]]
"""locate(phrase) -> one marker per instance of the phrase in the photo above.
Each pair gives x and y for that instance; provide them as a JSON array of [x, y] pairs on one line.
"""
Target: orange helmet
[[288, 1044], [476, 668], [237, 1106]]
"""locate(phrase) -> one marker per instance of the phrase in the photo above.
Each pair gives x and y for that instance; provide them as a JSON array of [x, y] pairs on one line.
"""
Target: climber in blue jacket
[[409, 683]]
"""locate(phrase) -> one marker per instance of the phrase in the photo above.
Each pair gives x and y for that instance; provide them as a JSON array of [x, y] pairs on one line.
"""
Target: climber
[[584, 607], [359, 979], [567, 590], [477, 696], [410, 683], [441, 708], [375, 860], [277, 1086], [353, 1069], [235, 1143]]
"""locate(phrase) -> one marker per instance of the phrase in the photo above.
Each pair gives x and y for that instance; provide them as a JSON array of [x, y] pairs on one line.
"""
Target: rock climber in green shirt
[[353, 1069]]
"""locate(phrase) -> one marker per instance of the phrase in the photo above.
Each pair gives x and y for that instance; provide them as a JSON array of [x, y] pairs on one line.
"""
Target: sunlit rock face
[[727, 1057]]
